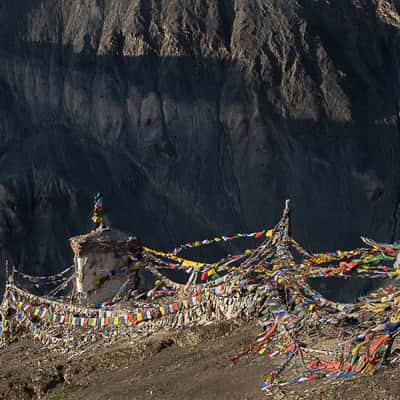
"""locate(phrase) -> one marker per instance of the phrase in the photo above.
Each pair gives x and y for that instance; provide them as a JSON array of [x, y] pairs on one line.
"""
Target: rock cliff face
[[197, 117]]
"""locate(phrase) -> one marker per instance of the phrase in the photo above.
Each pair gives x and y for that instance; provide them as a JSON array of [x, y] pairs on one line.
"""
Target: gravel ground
[[193, 364]]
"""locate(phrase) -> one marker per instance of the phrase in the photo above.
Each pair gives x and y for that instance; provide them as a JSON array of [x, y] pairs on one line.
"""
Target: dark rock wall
[[197, 117]]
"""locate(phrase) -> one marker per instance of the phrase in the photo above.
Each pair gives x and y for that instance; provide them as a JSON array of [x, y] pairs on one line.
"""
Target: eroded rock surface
[[197, 117]]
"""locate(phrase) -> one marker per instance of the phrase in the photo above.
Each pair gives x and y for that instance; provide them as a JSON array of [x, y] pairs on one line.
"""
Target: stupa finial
[[98, 210]]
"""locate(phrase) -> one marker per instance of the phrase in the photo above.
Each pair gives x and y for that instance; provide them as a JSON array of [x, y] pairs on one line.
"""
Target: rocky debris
[[48, 375], [169, 366]]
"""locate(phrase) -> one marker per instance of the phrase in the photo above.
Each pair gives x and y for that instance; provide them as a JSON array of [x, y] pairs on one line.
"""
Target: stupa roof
[[104, 240]]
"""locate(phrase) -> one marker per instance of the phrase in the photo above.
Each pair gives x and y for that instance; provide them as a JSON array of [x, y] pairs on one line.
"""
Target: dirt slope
[[191, 365]]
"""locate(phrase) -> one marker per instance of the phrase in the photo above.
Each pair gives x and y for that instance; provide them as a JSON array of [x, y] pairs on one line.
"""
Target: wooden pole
[[286, 217], [12, 275], [4, 305], [7, 271]]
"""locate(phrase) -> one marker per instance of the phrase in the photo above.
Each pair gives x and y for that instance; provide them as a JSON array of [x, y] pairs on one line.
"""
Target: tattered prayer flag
[[377, 343], [27, 308], [204, 276]]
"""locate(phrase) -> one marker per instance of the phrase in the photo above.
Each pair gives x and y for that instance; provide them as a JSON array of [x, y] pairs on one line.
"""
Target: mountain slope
[[197, 117]]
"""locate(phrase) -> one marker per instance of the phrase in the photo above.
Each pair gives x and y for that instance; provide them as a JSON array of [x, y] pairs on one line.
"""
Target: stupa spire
[[98, 209]]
